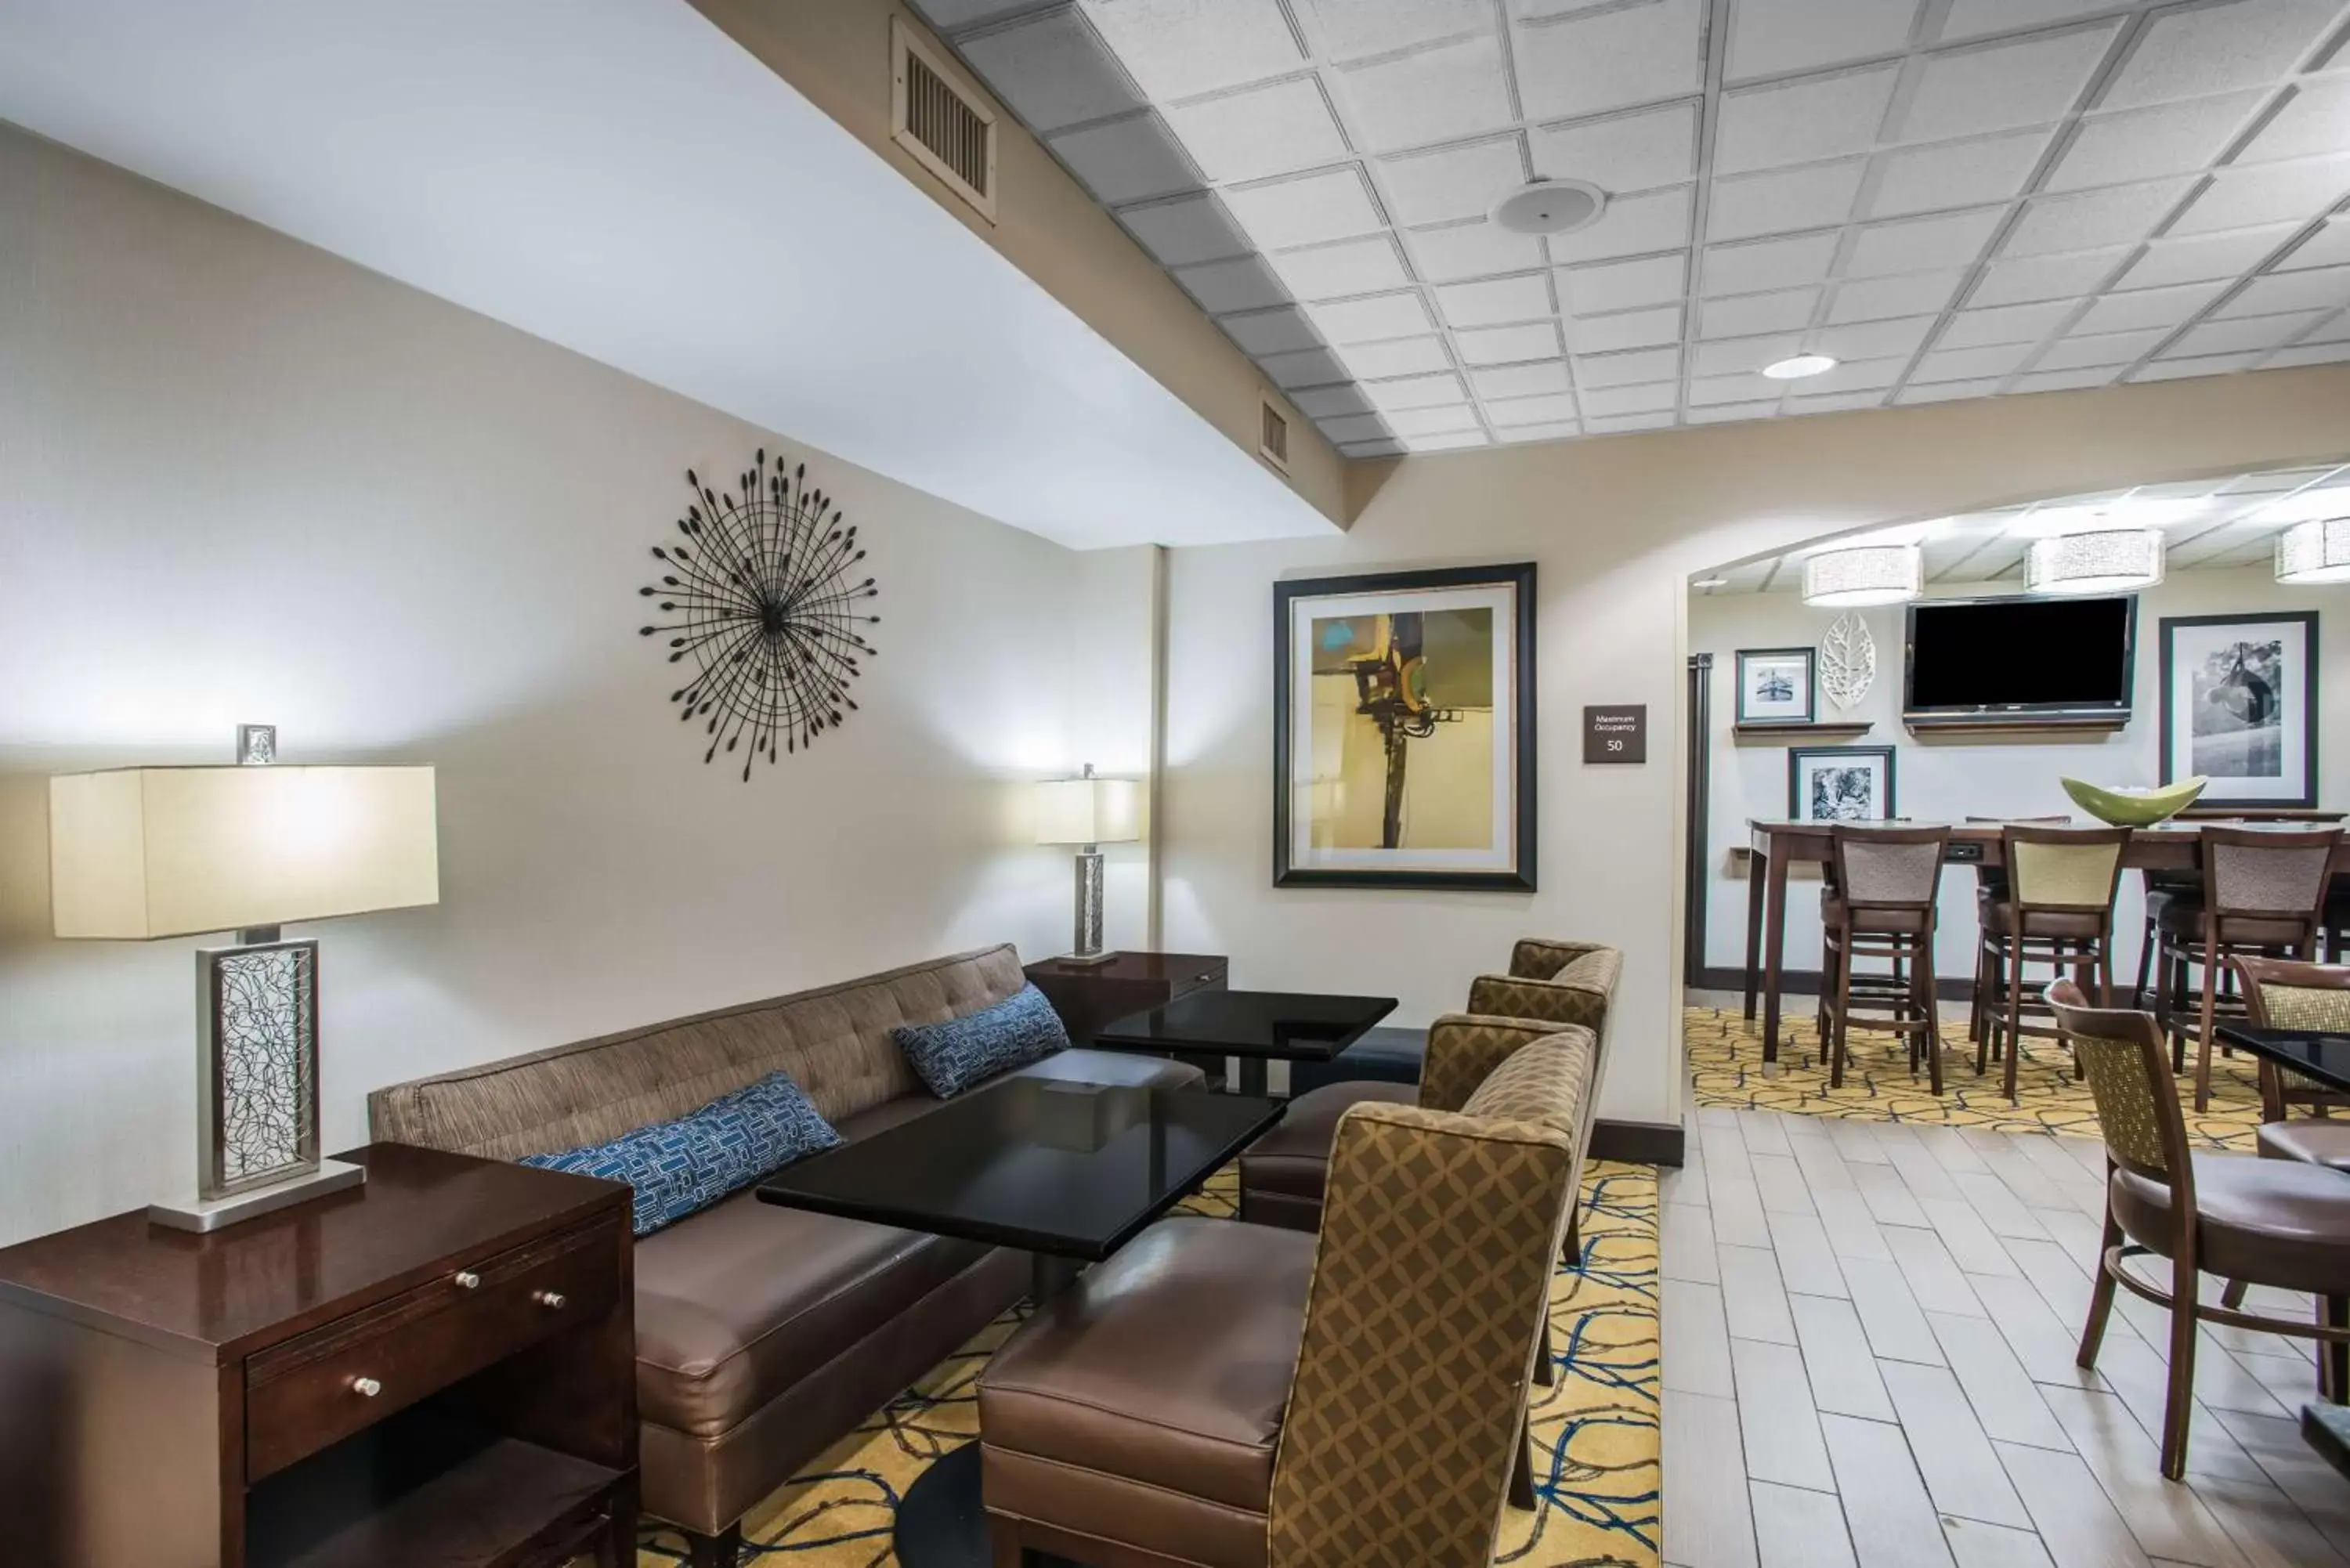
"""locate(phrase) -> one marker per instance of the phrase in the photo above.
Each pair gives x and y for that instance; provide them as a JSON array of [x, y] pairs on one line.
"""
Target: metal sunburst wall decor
[[761, 600]]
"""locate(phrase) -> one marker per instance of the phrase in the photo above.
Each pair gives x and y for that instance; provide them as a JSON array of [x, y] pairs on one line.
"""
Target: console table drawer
[[321, 1386]]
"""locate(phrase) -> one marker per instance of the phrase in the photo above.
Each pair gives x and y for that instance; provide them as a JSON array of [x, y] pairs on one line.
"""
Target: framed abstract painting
[[1840, 783], [1404, 729]]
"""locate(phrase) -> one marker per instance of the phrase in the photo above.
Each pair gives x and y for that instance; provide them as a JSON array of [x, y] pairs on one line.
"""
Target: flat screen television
[[2018, 660]]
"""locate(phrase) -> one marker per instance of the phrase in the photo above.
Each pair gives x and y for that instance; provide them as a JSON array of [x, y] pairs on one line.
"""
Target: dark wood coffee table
[[1256, 1026], [1067, 1171]]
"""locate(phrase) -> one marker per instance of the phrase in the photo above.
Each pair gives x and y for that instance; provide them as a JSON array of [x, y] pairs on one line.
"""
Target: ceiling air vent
[[1272, 435], [940, 120]]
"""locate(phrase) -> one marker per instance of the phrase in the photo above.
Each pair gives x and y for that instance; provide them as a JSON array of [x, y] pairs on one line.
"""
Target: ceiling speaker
[[1550, 207]]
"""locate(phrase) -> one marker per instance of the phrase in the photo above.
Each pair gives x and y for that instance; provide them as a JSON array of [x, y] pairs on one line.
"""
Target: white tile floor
[[1868, 1338]]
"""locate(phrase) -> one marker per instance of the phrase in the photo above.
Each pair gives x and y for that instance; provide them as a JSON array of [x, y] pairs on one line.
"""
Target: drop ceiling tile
[[1918, 244], [1369, 320], [2148, 307], [1976, 18], [2025, 279], [2309, 354], [1621, 286], [1399, 356], [1416, 391], [1970, 364], [1817, 196], [1507, 345], [1861, 375], [1872, 339], [1330, 402], [1372, 447], [1627, 424], [2321, 288], [1530, 411], [1357, 427], [1127, 159], [1471, 250], [1956, 174], [1633, 152], [1284, 213], [1308, 368], [1349, 29], [1278, 128], [1246, 284], [2245, 334], [1948, 392], [1801, 123], [1458, 182], [947, 15], [1521, 380], [1179, 233], [1731, 356], [1626, 369], [2122, 215], [1632, 225], [1780, 37], [2064, 380], [1767, 264], [2105, 350], [1271, 331], [1052, 71], [2207, 365], [1609, 401], [1593, 61], [1727, 413], [2188, 51], [1742, 316], [2333, 331], [1720, 389], [1447, 442], [1495, 301], [2195, 259], [2146, 143], [1835, 402], [1993, 87], [1433, 421], [2330, 246], [2239, 198], [1177, 49], [2315, 122], [2005, 324], [1561, 431], [1337, 271], [1626, 329], [1879, 298], [1432, 94]]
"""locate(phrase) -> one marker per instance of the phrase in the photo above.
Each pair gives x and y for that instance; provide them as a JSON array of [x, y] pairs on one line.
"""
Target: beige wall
[[1617, 525], [836, 53], [240, 480]]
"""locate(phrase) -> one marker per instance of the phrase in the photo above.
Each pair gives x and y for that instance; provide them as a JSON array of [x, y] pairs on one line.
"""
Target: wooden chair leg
[[1925, 989], [1842, 1013], [1522, 1471], [2232, 1296], [724, 1550], [2333, 1356], [2015, 1014], [1975, 1011], [1545, 1371], [2101, 1296], [2145, 951], [2178, 1402], [2211, 1005], [1003, 1547]]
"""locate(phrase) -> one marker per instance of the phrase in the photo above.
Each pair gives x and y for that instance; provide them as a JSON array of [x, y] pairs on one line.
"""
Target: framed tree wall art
[[2240, 706], [1404, 729]]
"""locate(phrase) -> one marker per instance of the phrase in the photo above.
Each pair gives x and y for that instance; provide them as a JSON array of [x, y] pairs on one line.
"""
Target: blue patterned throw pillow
[[950, 1057], [681, 1167]]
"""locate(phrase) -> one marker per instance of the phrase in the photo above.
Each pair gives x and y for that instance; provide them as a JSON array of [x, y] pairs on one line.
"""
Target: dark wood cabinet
[[434, 1370], [1089, 996]]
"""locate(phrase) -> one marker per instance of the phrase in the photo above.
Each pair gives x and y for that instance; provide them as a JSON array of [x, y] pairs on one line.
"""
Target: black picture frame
[[1797, 756], [1811, 658], [2304, 724], [1519, 876]]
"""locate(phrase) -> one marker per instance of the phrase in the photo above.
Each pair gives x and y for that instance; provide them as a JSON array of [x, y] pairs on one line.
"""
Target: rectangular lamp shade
[[136, 853], [1088, 811]]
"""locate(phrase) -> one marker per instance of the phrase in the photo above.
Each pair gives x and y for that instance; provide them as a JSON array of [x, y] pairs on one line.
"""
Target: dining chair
[[1991, 887], [2280, 994], [2166, 891], [2058, 911], [1880, 905], [2256, 1222]]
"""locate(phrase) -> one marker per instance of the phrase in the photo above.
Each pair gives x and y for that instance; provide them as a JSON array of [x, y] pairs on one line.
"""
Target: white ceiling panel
[[1507, 345], [2267, 193], [1768, 264], [2148, 307], [1471, 250], [1915, 244], [1621, 286], [1418, 392], [1178, 48], [1743, 315], [1783, 200], [2146, 143], [1881, 298], [1496, 301], [2197, 365], [1968, 364], [1975, 19], [2105, 350], [1274, 130], [2313, 122], [2321, 288], [1521, 380], [1326, 402], [1590, 61], [2201, 257], [1281, 331], [1638, 367], [1869, 339], [1397, 357], [2123, 215], [2190, 50], [1631, 151], [1530, 411], [1350, 267], [1455, 184], [1609, 402], [1626, 329], [2329, 246], [1194, 229], [2025, 279], [2249, 334], [1053, 70], [1632, 225], [1956, 174], [1308, 367], [1801, 122], [1775, 37], [2005, 324], [1560, 430], [1369, 320], [1333, 205], [1351, 29], [1995, 86], [1227, 287], [1129, 160], [1438, 94], [1733, 356]]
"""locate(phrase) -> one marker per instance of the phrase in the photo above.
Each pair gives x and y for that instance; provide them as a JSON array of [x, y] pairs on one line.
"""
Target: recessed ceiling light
[[1800, 366], [1710, 582], [1550, 207]]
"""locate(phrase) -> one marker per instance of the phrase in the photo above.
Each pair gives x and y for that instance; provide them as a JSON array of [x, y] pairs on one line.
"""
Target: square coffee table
[[1254, 1025]]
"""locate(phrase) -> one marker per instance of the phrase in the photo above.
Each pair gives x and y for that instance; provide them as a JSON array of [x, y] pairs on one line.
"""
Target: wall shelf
[[2057, 730], [1790, 734]]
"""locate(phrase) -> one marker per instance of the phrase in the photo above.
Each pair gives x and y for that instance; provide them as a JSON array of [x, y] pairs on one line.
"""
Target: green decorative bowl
[[2135, 807]]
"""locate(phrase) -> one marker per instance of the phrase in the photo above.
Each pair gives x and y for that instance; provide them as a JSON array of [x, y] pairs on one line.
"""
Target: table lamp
[[136, 854], [1089, 812]]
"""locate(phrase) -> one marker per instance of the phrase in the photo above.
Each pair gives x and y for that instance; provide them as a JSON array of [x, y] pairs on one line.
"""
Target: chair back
[[2280, 994], [2268, 873], [1887, 867], [2068, 870], [1432, 1276], [2121, 1054]]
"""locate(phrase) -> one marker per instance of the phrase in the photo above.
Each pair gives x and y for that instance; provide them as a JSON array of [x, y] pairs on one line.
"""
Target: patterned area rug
[[1596, 1434], [1725, 1059]]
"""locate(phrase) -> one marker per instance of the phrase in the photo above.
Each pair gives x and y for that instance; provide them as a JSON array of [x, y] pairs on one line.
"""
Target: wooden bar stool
[[2058, 911], [1881, 906], [1991, 887]]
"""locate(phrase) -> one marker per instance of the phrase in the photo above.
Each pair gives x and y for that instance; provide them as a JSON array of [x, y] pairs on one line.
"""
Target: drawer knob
[[466, 1280], [365, 1387], [552, 1300]]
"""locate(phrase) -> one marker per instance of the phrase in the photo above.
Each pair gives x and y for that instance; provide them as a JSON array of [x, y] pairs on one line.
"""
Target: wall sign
[[1616, 735]]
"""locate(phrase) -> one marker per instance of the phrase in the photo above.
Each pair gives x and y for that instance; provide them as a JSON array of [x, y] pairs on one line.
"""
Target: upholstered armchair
[[1557, 982], [1222, 1395]]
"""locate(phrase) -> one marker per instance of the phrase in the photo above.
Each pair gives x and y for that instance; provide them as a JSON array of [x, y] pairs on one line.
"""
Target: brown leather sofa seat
[[2315, 1140], [2281, 1223]]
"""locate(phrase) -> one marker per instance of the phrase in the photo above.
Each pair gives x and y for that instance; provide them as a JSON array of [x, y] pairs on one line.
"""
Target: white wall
[[242, 481], [1950, 779]]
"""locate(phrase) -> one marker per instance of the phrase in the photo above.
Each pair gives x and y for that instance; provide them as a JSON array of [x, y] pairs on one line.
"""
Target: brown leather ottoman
[[1284, 1173]]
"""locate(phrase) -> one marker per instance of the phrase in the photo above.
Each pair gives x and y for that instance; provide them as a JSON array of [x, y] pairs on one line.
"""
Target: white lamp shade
[[166, 852], [1088, 811], [1864, 574], [2315, 552], [2110, 561]]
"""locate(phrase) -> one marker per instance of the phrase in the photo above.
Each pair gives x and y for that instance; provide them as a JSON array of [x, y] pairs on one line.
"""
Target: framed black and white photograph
[[1404, 729], [1840, 783], [1775, 685], [2240, 706]]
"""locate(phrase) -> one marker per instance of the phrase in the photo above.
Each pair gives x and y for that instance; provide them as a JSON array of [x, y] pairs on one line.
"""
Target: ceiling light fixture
[[1708, 582], [1550, 207], [1800, 366], [2315, 552], [1869, 575], [2112, 561]]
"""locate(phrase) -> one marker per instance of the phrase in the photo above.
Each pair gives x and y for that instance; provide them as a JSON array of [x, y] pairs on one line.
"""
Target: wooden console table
[[435, 1370]]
